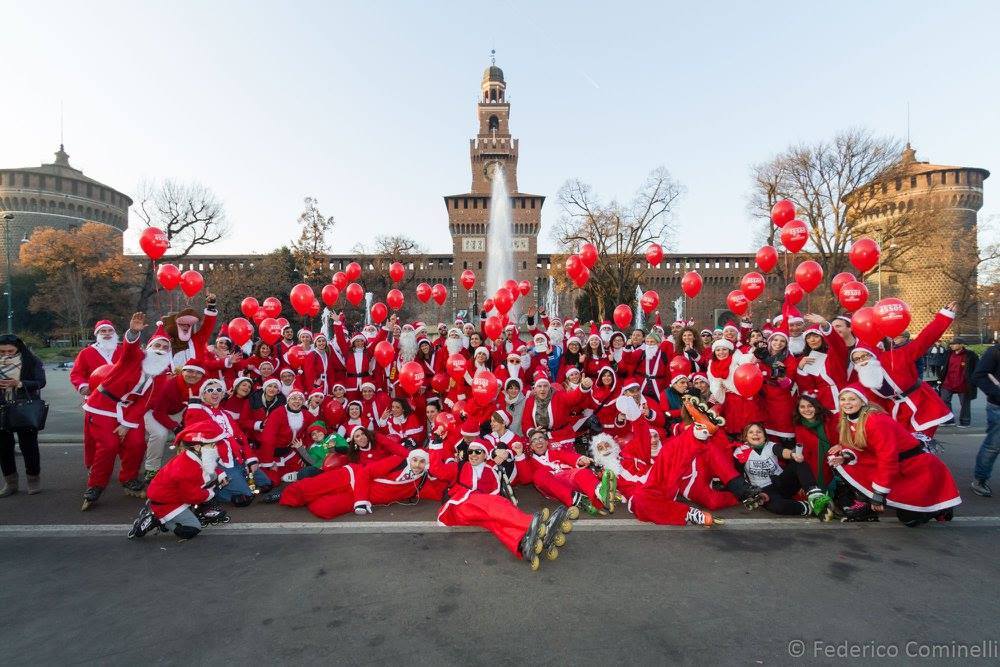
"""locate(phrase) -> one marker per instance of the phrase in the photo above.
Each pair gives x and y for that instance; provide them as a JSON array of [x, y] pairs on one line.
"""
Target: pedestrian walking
[[22, 377], [956, 380], [987, 379]]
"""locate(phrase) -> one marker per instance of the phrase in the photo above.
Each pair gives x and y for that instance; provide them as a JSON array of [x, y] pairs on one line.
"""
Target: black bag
[[24, 413]]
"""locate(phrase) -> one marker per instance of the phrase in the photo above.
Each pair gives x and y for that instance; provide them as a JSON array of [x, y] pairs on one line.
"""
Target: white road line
[[385, 527]]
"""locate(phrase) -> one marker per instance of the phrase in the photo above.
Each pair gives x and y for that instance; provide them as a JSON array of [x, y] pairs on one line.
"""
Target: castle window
[[465, 265], [465, 202], [24, 180], [456, 203], [475, 202], [899, 183], [913, 181], [480, 265], [494, 124], [72, 186], [532, 202], [893, 279], [524, 265]]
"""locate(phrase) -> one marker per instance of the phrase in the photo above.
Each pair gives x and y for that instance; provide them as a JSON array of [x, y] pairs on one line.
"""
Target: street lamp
[[7, 217]]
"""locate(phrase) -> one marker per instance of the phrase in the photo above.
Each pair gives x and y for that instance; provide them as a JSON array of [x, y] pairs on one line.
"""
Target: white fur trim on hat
[[722, 342]]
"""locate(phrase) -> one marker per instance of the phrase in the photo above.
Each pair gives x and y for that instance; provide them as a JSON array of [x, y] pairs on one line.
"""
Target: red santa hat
[[303, 330], [514, 380], [658, 322], [271, 381], [485, 446], [160, 332], [813, 329], [722, 342], [680, 323], [201, 432], [510, 327], [265, 362], [630, 385], [316, 392], [484, 350], [593, 330], [678, 376], [240, 379], [782, 331], [103, 323], [224, 333], [540, 378], [320, 335], [286, 370], [862, 347], [211, 382], [705, 331], [368, 385], [846, 319], [615, 334], [193, 365], [730, 325], [504, 417], [317, 426], [606, 324], [296, 391], [574, 339], [858, 390], [470, 428], [338, 384], [699, 376], [358, 336]]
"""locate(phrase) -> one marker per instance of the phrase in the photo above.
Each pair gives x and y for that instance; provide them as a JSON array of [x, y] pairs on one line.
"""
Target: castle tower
[[469, 212], [943, 201]]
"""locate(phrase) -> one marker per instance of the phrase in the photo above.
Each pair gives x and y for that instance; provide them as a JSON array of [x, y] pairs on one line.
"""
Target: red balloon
[[411, 377], [737, 302], [468, 279], [680, 365], [458, 410], [748, 380], [691, 284], [488, 305], [169, 276], [396, 272], [654, 254], [240, 331], [853, 295], [154, 242], [249, 306], [354, 294], [340, 280], [767, 258], [394, 299], [384, 353], [423, 292], [793, 293], [271, 306], [503, 300], [864, 254], [892, 316], [524, 287], [782, 212], [270, 330], [301, 297], [622, 316], [511, 286], [379, 312], [330, 295], [839, 281], [191, 283], [582, 277], [296, 356], [752, 285], [99, 375], [440, 382], [445, 421], [492, 327], [440, 293], [283, 322], [574, 265], [485, 387], [588, 255], [314, 308], [864, 326], [649, 301], [259, 316], [353, 271], [809, 275], [794, 236], [457, 365], [333, 412]]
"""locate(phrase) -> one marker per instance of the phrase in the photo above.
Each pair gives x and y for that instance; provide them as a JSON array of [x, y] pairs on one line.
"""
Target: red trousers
[[99, 430], [655, 506], [494, 513], [563, 484], [327, 495], [714, 461]]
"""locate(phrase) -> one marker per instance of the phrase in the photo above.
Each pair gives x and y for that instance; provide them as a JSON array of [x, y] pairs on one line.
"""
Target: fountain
[[499, 236], [369, 297], [551, 300], [638, 307]]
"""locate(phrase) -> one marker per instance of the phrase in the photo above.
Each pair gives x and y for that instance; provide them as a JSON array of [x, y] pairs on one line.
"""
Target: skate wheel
[[716, 521], [85, 506], [544, 514], [552, 553], [560, 540], [131, 534], [566, 527], [534, 563], [542, 530], [538, 547], [573, 513]]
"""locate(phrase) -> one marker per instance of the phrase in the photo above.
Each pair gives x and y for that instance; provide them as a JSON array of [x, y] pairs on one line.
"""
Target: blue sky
[[369, 106]]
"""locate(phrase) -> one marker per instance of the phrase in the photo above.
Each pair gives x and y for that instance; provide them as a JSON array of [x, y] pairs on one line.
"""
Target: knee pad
[[186, 532], [242, 500]]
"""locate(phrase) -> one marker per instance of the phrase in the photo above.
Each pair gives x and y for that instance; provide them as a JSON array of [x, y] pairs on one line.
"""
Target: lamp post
[[7, 217]]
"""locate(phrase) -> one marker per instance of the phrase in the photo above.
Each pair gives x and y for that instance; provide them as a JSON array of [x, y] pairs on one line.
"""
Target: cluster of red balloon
[[888, 318], [304, 300], [425, 293], [154, 244], [578, 266]]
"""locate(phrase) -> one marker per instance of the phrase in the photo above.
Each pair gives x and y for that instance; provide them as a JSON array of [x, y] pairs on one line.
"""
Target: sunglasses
[[214, 390], [477, 450]]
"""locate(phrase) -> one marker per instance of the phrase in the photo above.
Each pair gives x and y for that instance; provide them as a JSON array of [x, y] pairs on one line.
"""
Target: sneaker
[[820, 505], [148, 476], [290, 477], [981, 487], [696, 517], [362, 507], [272, 497], [134, 488], [964, 426]]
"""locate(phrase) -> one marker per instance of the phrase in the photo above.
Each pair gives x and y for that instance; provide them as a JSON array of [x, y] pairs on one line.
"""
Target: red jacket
[[127, 394], [88, 360], [177, 486]]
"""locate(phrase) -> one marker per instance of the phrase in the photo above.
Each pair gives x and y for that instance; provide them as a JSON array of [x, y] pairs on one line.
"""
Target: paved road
[[695, 596]]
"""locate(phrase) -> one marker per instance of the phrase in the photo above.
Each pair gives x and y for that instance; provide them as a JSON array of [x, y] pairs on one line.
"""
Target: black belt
[[359, 375], [911, 452], [108, 394], [903, 394]]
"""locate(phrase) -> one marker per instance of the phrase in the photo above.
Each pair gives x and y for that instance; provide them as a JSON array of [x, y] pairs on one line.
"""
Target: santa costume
[[105, 349], [823, 371], [282, 427]]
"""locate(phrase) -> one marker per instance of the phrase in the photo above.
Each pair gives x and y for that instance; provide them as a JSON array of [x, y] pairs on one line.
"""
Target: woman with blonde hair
[[888, 466]]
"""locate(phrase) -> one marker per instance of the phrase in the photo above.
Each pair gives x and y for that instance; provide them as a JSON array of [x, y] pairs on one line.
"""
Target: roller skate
[[859, 512], [607, 490], [582, 502], [753, 498], [697, 517], [211, 514], [90, 497], [144, 523], [820, 504], [134, 488], [559, 524], [531, 543], [946, 515], [148, 476]]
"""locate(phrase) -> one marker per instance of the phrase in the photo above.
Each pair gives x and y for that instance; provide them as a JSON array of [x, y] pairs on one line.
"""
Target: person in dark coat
[[956, 380], [21, 375], [986, 379]]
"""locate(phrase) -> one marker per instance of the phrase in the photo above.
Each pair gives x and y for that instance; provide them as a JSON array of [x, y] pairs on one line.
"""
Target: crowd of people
[[655, 422]]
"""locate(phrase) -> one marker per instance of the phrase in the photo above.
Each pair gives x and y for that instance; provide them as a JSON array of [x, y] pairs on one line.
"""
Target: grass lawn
[[56, 354]]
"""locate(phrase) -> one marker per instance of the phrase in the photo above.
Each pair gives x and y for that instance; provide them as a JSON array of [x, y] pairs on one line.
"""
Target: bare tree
[[383, 251], [189, 213], [312, 248], [620, 230]]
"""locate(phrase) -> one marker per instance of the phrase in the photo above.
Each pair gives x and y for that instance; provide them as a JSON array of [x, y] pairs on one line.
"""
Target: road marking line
[[386, 527]]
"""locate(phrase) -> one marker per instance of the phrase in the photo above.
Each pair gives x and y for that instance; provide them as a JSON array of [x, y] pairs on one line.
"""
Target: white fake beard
[[606, 337], [555, 335], [209, 459], [797, 344], [454, 345], [608, 461], [407, 346], [541, 348], [106, 347], [155, 362], [650, 351], [513, 369], [871, 374], [369, 334], [617, 354]]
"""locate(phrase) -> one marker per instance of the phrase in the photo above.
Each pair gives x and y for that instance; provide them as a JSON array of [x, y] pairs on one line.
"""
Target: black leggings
[[28, 440], [783, 488]]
